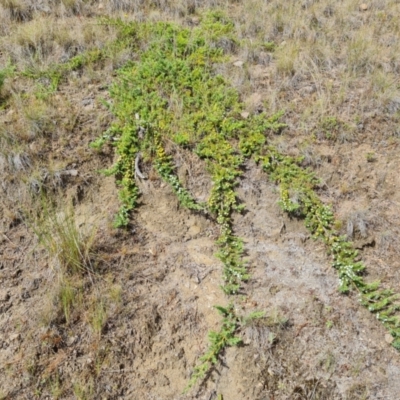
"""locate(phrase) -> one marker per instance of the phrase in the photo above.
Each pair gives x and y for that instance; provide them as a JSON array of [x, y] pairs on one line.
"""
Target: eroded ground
[[315, 341]]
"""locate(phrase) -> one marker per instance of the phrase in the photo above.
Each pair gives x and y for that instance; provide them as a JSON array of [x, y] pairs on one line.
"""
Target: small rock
[[15, 336], [101, 6], [254, 102], [310, 89], [35, 284], [70, 172], [87, 102], [9, 116], [363, 7], [238, 63], [194, 230], [245, 114], [25, 294], [16, 273], [389, 338], [246, 341], [71, 340], [394, 105], [194, 21], [4, 296], [264, 58], [162, 380], [45, 9], [33, 147]]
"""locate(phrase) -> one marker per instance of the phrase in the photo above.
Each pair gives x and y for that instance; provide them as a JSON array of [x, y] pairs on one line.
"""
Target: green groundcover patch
[[172, 94]]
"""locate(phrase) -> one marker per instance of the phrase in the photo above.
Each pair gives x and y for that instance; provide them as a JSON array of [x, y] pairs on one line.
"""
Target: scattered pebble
[[14, 336], [238, 63], [389, 338], [4, 296]]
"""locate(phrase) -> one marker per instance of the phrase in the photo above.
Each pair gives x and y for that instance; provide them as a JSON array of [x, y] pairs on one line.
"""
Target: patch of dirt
[[315, 342]]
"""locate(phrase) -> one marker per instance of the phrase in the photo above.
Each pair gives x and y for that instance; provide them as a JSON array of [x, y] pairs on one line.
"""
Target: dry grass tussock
[[46, 40], [330, 59]]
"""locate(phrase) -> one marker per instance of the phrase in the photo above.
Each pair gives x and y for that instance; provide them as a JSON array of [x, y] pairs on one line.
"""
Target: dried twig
[[138, 173]]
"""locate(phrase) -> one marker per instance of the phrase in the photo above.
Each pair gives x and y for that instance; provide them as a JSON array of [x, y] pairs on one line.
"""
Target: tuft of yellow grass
[[70, 248]]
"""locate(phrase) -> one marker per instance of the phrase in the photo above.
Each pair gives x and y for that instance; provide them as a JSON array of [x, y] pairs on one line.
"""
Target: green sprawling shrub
[[171, 93]]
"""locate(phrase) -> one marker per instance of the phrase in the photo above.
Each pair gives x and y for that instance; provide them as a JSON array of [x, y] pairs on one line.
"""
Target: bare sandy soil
[[316, 343]]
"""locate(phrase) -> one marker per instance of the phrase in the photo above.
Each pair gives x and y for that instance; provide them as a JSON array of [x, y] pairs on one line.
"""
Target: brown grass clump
[[45, 40], [16, 10]]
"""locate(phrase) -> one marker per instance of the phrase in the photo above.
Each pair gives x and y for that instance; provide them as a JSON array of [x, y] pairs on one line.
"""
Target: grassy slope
[[331, 68]]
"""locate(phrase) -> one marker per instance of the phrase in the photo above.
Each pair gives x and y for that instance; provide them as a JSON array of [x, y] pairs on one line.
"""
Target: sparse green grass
[[70, 249], [4, 73], [56, 388], [70, 298], [98, 316], [2, 78], [84, 390]]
